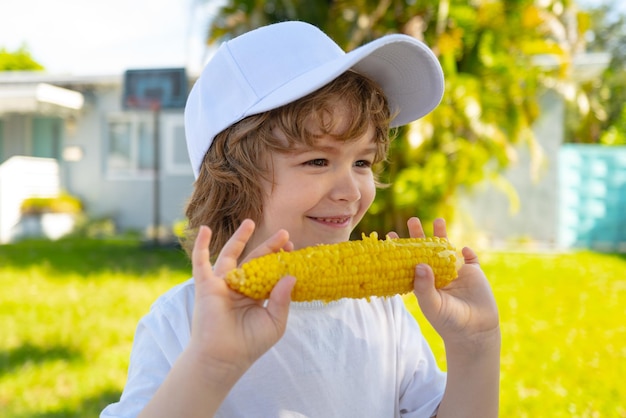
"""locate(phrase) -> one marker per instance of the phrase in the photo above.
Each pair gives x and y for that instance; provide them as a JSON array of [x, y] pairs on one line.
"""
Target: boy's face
[[319, 193]]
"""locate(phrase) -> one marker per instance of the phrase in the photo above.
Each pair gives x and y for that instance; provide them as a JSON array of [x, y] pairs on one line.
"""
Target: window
[[176, 157], [130, 146], [47, 133]]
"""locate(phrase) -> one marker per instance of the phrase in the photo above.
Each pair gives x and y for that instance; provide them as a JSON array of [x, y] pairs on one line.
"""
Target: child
[[283, 131]]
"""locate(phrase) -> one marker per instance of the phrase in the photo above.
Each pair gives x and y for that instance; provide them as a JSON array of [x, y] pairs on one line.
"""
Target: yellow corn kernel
[[352, 269]]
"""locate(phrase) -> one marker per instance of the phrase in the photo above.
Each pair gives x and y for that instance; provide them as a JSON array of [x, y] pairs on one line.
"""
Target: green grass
[[563, 333], [68, 311]]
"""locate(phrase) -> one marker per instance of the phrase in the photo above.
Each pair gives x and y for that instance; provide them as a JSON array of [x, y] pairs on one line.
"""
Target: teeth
[[333, 220]]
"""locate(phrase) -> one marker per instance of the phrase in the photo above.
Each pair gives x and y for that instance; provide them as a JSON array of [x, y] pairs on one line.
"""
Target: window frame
[[135, 120], [169, 123]]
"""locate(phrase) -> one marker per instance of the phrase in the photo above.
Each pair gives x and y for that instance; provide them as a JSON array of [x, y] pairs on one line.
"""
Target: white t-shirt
[[349, 358]]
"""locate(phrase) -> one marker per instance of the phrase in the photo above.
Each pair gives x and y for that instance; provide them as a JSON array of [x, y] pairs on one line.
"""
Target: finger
[[439, 228], [469, 256], [288, 246], [278, 241], [425, 291], [415, 228], [201, 264], [278, 303], [393, 235], [234, 247]]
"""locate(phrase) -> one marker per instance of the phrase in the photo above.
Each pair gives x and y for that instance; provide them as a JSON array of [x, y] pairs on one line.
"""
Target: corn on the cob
[[352, 269]]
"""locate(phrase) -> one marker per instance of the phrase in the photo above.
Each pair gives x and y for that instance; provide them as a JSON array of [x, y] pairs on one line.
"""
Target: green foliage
[[18, 60], [237, 17], [96, 228], [596, 113], [486, 50], [63, 203], [179, 227], [616, 133]]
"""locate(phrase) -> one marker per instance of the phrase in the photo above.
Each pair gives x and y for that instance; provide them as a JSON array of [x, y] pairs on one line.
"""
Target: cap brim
[[405, 68]]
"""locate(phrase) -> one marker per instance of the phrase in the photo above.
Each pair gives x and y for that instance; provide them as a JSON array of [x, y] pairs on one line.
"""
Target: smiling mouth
[[334, 220]]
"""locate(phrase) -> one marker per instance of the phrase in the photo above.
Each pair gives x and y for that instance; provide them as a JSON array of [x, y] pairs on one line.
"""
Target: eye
[[317, 162], [363, 164]]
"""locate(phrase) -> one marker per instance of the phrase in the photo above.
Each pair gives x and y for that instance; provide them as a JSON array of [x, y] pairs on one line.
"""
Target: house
[[94, 137]]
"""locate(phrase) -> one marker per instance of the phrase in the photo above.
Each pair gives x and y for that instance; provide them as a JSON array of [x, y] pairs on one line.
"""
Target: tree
[[18, 60], [602, 119], [486, 49]]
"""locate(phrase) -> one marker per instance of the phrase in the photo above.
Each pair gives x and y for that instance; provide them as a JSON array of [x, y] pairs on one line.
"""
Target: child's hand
[[465, 311], [230, 331]]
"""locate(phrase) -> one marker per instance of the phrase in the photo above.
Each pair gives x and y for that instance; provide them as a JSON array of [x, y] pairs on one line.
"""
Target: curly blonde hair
[[229, 186]]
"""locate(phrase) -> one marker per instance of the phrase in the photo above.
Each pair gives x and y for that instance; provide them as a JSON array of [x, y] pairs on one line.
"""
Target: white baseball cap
[[277, 64]]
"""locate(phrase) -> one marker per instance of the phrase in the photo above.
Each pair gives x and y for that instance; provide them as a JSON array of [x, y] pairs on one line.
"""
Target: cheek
[[368, 193], [285, 197]]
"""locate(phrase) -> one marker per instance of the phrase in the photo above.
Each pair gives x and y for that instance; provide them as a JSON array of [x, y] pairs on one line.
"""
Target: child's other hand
[[231, 331], [465, 311]]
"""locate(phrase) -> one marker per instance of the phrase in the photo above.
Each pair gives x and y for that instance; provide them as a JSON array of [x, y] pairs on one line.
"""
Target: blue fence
[[592, 197]]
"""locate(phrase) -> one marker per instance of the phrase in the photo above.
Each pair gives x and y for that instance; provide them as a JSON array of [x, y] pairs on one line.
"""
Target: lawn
[[68, 311], [563, 333]]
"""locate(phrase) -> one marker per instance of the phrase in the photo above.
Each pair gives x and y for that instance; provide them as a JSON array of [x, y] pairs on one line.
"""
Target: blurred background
[[525, 157]]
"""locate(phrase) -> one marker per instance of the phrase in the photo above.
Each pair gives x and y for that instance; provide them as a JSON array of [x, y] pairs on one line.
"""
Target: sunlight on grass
[[67, 331], [563, 331], [68, 312]]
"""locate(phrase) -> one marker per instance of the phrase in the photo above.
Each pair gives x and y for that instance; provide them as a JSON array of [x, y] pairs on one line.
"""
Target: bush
[[63, 203]]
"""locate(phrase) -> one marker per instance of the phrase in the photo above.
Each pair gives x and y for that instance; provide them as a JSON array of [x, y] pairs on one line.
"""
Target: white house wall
[[487, 212], [129, 201]]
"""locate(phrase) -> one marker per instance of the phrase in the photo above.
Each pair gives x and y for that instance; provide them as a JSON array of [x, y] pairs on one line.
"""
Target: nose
[[346, 186]]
